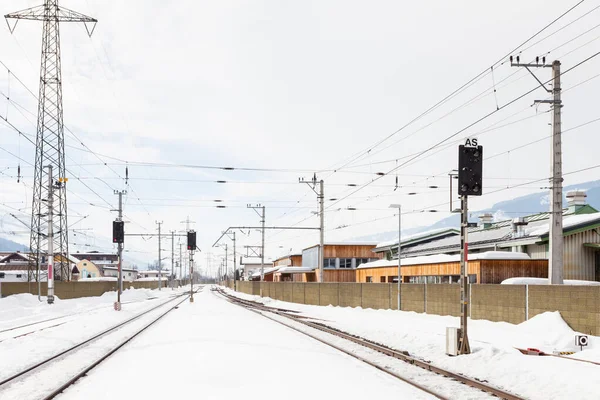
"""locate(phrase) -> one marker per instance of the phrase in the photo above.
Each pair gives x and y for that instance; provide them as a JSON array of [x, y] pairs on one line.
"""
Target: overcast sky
[[295, 87]]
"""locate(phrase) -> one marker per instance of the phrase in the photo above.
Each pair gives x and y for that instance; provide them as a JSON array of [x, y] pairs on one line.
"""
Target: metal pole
[[262, 253], [555, 264], [159, 257], [226, 271], [50, 237], [399, 256], [234, 264], [321, 229], [173, 259], [120, 254], [191, 276], [465, 348], [180, 256]]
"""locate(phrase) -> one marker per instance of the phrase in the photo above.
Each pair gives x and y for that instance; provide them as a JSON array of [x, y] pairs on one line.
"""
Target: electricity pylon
[[50, 147]]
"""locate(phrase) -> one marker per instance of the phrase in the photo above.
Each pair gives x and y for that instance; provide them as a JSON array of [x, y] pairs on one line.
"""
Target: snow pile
[[544, 281]]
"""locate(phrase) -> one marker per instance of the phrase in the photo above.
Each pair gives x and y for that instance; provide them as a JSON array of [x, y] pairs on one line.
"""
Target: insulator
[[511, 59], [126, 175], [537, 59], [19, 173], [518, 59]]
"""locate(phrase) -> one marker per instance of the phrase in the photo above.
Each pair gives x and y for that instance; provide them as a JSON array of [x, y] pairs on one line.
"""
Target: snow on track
[[212, 349]]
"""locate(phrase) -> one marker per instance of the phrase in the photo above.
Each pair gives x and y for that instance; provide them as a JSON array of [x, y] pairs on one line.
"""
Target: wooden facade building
[[490, 267]]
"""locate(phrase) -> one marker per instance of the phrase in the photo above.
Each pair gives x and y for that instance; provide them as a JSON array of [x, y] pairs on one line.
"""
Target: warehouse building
[[529, 235]]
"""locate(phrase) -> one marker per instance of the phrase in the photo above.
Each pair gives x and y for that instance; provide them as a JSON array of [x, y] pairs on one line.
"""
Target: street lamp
[[399, 207]]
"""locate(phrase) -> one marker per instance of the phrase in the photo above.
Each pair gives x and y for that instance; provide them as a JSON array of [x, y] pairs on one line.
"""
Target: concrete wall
[[73, 290], [442, 299], [329, 294], [498, 303], [350, 294], [376, 295], [578, 305]]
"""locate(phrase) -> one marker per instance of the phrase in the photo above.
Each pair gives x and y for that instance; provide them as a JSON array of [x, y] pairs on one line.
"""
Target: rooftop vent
[[576, 198], [485, 220], [517, 227]]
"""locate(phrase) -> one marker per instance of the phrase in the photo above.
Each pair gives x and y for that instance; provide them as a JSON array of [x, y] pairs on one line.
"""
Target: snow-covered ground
[[67, 322], [494, 357], [216, 350], [212, 349]]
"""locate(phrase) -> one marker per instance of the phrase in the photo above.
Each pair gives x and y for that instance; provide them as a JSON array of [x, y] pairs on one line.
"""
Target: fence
[[578, 305], [71, 290]]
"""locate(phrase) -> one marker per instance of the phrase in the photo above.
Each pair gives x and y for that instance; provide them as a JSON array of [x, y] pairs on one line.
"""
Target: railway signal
[[470, 176]]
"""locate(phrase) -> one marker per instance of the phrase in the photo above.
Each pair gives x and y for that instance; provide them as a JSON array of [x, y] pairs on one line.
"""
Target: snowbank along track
[[39, 367], [401, 355]]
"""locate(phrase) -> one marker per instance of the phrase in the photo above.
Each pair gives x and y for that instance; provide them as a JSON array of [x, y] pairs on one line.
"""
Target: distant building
[[340, 260]]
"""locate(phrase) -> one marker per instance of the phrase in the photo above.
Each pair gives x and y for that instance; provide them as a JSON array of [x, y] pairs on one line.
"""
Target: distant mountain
[[520, 206], [9, 245]]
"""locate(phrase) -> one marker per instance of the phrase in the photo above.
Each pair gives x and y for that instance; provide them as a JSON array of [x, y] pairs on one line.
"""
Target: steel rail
[[379, 348], [82, 343], [85, 371]]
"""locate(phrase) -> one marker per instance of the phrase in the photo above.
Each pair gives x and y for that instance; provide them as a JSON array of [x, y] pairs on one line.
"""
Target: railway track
[[40, 325], [379, 348], [45, 379]]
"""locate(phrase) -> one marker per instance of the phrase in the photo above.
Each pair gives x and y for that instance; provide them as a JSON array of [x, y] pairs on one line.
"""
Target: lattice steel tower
[[50, 147]]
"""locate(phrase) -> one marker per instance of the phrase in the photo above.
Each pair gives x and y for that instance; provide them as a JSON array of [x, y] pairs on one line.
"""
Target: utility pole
[[234, 264], [399, 207], [321, 199], [120, 246], [159, 255], [180, 256], [50, 237], [226, 271], [173, 259], [262, 252], [322, 230], [555, 263], [50, 148]]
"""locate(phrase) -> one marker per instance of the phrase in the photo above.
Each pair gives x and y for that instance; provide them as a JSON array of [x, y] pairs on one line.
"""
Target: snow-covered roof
[[420, 235], [446, 258], [99, 279], [265, 271], [502, 234], [14, 272], [151, 271], [568, 222], [123, 268], [365, 243], [544, 281], [295, 270]]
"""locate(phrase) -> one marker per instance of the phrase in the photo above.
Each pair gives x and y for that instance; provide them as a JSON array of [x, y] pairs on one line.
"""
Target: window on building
[[392, 279], [19, 275], [382, 279], [345, 263], [369, 279], [2, 275], [85, 264], [329, 263], [360, 261]]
